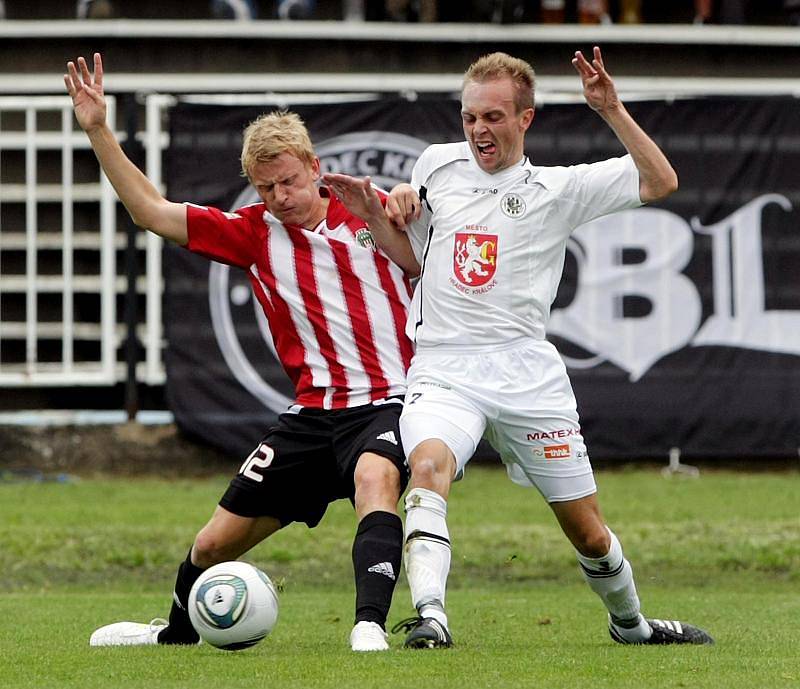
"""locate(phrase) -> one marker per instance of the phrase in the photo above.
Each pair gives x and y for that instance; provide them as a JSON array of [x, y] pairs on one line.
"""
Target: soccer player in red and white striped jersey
[[336, 308]]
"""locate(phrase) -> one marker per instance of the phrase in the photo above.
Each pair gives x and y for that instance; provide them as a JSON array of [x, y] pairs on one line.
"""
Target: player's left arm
[[657, 178], [361, 199]]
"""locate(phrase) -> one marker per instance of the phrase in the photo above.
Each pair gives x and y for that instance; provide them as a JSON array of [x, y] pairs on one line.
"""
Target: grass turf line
[[722, 551]]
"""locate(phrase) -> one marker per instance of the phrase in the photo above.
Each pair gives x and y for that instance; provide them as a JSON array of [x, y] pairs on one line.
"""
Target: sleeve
[[228, 238], [597, 189], [418, 230]]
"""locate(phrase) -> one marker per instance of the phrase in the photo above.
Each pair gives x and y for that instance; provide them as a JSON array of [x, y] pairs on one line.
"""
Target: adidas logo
[[671, 625], [388, 436], [384, 568]]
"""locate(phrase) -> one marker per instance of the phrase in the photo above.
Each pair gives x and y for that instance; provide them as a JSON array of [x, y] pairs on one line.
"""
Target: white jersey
[[491, 246]]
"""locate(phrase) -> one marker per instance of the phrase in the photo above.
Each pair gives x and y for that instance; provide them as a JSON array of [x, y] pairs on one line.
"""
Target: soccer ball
[[233, 605]]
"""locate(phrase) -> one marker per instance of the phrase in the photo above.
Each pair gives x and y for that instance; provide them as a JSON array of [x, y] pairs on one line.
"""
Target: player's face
[[288, 186], [493, 127]]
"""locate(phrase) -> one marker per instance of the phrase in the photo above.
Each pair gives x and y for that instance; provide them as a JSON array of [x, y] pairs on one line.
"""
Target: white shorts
[[519, 397]]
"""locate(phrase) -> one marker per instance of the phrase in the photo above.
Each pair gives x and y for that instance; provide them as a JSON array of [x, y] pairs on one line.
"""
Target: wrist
[[96, 130], [612, 111]]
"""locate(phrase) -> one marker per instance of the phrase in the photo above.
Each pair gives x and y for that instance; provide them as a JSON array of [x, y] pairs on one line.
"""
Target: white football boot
[[368, 636], [128, 634]]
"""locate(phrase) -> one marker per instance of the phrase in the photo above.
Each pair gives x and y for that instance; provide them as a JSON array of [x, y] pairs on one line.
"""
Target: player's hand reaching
[[403, 205], [358, 195], [598, 88], [86, 91]]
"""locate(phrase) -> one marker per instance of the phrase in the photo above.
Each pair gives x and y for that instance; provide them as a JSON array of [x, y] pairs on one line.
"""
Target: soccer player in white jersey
[[489, 229], [336, 308]]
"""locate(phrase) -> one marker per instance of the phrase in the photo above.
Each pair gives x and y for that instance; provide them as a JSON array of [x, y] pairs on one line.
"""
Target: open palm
[[598, 88], [86, 91]]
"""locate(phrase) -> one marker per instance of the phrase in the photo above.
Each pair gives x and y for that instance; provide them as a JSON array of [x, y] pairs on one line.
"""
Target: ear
[[315, 167], [526, 118]]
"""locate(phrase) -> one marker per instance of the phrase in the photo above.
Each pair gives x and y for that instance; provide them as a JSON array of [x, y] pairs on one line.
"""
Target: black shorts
[[307, 460]]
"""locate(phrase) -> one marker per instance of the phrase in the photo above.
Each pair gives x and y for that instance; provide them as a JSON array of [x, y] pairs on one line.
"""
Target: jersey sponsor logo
[[557, 452], [388, 158], [512, 205], [552, 435], [481, 192], [474, 258]]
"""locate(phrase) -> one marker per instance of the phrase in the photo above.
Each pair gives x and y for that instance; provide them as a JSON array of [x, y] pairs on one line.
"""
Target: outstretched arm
[[657, 179], [148, 208], [361, 199]]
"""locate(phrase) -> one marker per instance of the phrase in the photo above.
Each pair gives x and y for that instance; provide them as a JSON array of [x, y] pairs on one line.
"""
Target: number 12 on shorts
[[260, 458]]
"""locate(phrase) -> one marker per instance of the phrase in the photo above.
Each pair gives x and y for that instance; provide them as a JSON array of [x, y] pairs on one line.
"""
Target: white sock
[[611, 578], [427, 552]]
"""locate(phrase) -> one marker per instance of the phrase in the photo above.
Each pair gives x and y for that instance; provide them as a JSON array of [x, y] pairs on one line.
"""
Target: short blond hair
[[271, 134], [500, 66]]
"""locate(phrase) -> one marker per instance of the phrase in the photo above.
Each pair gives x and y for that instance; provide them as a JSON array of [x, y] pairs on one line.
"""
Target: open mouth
[[485, 148]]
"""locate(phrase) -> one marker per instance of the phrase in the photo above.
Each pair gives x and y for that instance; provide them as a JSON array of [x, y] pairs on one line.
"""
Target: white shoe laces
[[157, 623]]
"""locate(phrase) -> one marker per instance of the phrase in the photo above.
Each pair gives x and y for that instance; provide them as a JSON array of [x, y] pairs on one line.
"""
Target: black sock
[[377, 550], [180, 629]]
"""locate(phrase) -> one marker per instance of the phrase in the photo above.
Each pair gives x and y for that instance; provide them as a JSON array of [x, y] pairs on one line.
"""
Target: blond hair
[[272, 134], [500, 66]]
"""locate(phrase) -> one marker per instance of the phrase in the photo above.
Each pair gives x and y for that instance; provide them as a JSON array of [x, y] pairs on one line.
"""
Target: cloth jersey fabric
[[308, 459], [520, 399], [491, 246], [491, 249], [336, 306]]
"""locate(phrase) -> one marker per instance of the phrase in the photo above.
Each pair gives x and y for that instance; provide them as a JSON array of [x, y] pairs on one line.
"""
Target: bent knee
[[209, 548], [593, 543], [383, 478], [378, 479]]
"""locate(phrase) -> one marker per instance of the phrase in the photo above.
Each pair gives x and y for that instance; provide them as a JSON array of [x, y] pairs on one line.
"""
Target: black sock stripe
[[425, 535], [616, 635], [595, 574]]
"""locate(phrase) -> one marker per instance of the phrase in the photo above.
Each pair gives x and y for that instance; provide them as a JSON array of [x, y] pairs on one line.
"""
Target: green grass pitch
[[722, 551]]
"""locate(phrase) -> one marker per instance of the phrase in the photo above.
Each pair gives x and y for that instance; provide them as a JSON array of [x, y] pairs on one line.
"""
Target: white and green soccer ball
[[233, 605]]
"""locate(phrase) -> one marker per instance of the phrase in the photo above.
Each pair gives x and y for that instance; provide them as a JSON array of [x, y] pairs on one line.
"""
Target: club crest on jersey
[[474, 258], [364, 238], [512, 205]]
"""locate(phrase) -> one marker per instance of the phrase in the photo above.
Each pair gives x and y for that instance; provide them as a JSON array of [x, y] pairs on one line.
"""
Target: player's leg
[[371, 462], [427, 538], [539, 437], [377, 548], [275, 486], [440, 431], [226, 536], [603, 564], [610, 576]]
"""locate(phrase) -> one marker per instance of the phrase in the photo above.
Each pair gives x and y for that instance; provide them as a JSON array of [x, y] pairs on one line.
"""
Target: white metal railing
[[455, 33], [28, 368], [27, 140], [154, 144]]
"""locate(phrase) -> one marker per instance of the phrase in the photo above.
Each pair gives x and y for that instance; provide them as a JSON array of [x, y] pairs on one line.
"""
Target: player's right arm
[[145, 204], [361, 199]]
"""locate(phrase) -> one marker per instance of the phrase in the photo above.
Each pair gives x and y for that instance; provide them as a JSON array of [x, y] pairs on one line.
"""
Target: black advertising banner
[[679, 322]]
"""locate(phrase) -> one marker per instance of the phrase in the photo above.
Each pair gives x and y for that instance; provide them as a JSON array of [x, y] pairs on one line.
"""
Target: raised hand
[[598, 88], [358, 195], [86, 91]]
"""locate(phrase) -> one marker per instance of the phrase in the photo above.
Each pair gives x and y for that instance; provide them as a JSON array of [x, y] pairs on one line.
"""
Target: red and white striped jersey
[[336, 305]]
